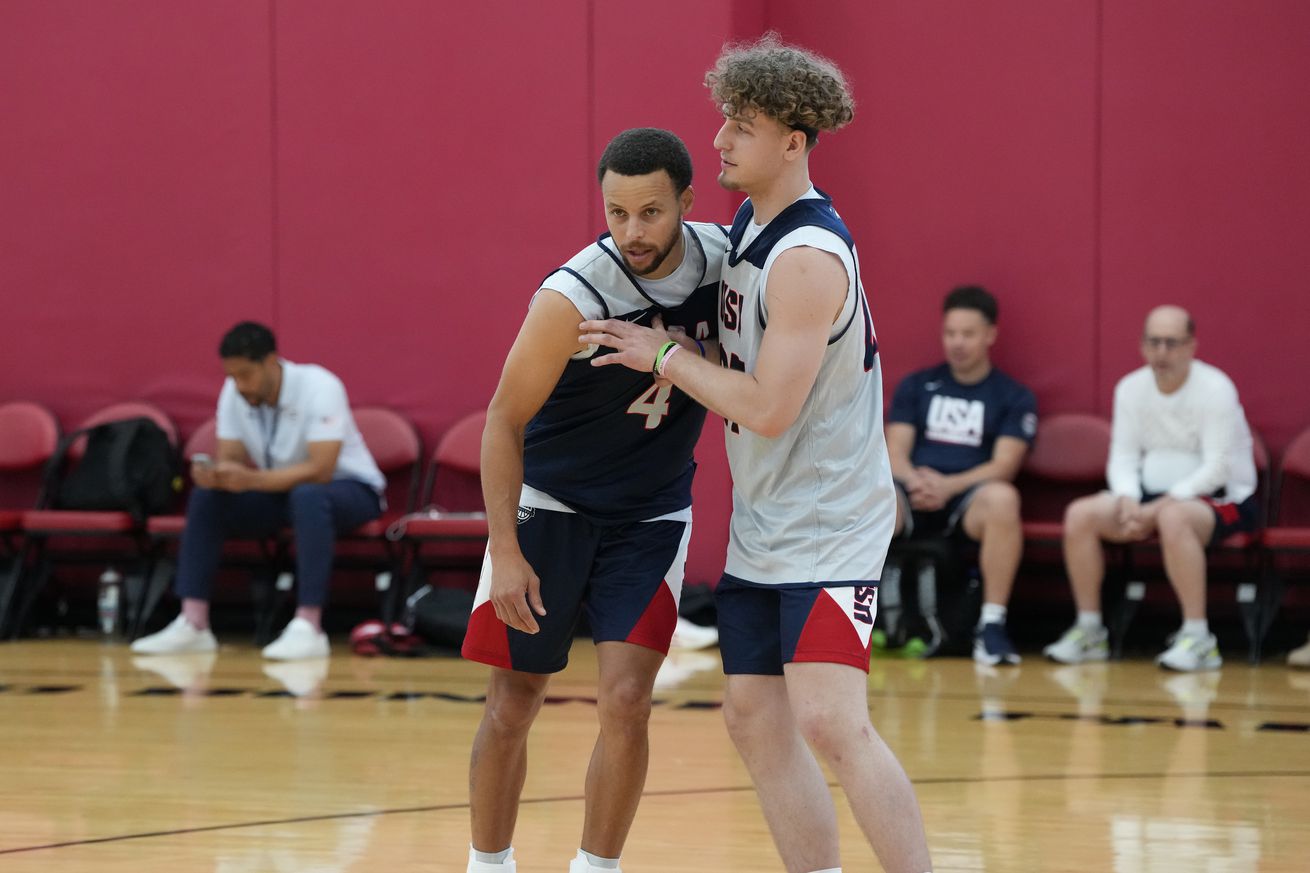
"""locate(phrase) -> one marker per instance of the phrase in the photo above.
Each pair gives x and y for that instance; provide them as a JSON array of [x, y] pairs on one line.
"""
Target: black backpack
[[128, 466]]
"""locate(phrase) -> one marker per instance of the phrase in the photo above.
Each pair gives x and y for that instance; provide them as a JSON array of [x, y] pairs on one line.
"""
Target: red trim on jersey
[[829, 637], [487, 639], [654, 629]]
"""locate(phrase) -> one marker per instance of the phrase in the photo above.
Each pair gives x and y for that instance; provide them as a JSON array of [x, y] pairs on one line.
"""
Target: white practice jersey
[[816, 504]]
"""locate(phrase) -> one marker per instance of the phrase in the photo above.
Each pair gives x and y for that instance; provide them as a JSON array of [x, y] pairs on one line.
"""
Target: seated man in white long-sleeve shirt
[[1181, 466]]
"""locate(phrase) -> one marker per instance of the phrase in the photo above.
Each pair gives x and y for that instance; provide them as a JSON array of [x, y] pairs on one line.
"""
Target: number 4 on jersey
[[653, 403]]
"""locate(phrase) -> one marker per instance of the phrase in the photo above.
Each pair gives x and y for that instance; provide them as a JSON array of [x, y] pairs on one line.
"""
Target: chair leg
[[27, 593], [10, 584], [157, 582], [1134, 591]]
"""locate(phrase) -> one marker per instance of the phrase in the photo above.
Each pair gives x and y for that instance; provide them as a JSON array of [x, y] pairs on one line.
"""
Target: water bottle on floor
[[111, 590]]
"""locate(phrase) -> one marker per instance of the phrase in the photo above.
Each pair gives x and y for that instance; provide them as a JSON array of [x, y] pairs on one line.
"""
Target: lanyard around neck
[[269, 430]]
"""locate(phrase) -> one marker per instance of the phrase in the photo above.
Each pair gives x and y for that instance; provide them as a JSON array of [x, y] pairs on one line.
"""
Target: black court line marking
[[690, 792]]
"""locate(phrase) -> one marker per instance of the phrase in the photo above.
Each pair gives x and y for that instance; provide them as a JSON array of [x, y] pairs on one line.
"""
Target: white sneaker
[[178, 638], [1300, 657], [1079, 645], [689, 635], [508, 866], [299, 640], [1188, 653]]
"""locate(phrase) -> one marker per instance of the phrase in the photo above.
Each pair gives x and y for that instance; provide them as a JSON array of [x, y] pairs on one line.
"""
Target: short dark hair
[[641, 150], [974, 297], [249, 339]]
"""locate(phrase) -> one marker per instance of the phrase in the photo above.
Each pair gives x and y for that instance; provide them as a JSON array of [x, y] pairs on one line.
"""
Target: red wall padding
[[386, 183]]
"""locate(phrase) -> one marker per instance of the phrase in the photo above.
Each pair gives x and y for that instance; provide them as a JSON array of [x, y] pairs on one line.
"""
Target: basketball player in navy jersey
[[813, 500], [958, 433], [587, 478]]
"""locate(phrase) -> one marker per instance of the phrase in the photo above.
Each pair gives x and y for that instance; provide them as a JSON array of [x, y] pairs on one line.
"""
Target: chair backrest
[[460, 449], [1292, 489], [120, 411], [1066, 461], [203, 441], [28, 435], [457, 465], [1070, 447], [395, 445]]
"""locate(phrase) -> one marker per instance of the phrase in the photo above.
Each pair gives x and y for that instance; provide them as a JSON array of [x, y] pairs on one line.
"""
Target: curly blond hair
[[802, 90]]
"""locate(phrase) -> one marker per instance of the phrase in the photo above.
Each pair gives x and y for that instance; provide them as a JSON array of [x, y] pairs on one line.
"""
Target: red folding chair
[[1288, 534], [122, 538], [452, 533], [29, 434], [1066, 461]]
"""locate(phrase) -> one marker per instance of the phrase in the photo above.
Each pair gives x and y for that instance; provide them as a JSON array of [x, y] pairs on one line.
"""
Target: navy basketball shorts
[[1229, 518], [763, 627], [628, 579]]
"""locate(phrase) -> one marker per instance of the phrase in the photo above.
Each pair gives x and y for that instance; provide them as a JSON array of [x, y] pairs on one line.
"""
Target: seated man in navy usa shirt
[[957, 434]]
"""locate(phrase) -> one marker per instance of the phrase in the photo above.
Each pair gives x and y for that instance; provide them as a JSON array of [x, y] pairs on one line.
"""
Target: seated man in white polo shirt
[[288, 454]]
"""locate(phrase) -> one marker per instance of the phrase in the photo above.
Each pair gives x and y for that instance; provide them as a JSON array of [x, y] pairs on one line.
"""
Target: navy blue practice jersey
[[956, 425], [609, 443]]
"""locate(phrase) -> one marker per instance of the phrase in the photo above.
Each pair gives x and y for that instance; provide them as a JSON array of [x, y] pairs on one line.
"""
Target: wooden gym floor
[[226, 764]]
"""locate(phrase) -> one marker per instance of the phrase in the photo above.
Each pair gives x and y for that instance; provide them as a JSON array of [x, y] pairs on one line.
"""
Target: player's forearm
[[957, 483], [737, 396], [502, 482]]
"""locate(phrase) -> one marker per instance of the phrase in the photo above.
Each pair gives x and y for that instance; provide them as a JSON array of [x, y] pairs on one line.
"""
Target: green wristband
[[660, 355]]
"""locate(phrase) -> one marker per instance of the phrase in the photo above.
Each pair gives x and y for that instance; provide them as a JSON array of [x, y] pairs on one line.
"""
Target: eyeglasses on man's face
[[1168, 343]]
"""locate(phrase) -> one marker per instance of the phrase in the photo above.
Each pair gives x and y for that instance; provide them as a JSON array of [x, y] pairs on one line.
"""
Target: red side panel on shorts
[[487, 640], [830, 638], [655, 627]]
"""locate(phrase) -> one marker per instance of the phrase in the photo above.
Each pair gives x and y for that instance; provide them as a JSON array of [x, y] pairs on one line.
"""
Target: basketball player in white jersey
[[813, 501]]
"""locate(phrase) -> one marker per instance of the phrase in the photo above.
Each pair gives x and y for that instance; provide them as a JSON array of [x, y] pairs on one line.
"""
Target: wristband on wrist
[[700, 345], [664, 361], [657, 368]]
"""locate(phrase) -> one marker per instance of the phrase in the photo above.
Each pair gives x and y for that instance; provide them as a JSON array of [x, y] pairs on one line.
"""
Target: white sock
[[495, 859], [1089, 620], [597, 861], [1196, 627], [829, 870], [992, 613]]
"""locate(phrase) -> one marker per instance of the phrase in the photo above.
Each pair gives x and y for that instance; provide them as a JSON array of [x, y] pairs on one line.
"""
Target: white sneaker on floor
[[1300, 657], [178, 638], [1188, 653], [1079, 645], [299, 640], [689, 635]]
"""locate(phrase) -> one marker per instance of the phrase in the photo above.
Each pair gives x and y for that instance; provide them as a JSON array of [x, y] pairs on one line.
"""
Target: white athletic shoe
[[508, 866], [299, 641], [178, 638], [1300, 657], [1079, 645], [689, 635], [1188, 653]]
